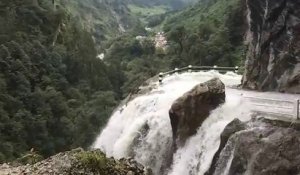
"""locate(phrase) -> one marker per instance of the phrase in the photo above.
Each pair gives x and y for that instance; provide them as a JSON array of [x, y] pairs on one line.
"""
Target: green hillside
[[171, 4], [152, 12], [104, 19], [54, 93], [209, 33]]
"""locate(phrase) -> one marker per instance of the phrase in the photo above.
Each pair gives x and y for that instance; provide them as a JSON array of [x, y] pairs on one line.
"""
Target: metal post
[[297, 109], [236, 69], [176, 70], [160, 77], [190, 68]]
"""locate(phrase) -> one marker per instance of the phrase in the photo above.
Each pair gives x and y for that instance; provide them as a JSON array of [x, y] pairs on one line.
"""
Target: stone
[[233, 127], [70, 163], [189, 111], [261, 147], [273, 58], [130, 173]]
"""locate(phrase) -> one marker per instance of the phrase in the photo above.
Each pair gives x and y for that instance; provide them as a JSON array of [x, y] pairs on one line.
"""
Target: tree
[[178, 35]]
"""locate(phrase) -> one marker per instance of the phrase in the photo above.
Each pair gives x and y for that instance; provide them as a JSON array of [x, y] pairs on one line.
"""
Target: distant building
[[160, 41]]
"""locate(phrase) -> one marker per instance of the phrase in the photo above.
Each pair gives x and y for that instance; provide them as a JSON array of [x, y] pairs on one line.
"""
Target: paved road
[[272, 103]]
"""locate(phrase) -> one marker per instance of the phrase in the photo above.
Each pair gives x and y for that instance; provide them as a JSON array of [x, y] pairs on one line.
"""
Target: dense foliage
[[54, 93], [171, 4], [209, 33], [104, 19], [133, 61]]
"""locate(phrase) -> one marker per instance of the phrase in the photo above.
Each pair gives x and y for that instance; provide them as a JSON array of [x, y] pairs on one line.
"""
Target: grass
[[92, 160]]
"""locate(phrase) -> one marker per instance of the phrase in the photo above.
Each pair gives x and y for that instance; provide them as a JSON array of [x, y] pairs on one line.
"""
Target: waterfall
[[195, 157], [141, 128]]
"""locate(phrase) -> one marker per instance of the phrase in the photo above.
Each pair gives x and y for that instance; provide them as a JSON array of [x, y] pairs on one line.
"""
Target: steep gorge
[[53, 90]]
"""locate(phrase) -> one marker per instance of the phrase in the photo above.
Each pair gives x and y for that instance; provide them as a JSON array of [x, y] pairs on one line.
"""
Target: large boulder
[[189, 111], [273, 58], [261, 147]]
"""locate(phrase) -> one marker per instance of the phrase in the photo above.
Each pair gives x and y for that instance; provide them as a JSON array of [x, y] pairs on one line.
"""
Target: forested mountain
[[171, 4], [208, 33], [65, 65], [153, 12], [55, 94], [104, 19]]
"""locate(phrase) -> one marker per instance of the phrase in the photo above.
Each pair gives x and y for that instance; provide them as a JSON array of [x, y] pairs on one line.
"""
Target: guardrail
[[191, 68], [294, 110], [296, 104]]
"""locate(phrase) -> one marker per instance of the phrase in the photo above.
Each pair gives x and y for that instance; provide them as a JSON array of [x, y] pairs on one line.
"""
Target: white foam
[[152, 108]]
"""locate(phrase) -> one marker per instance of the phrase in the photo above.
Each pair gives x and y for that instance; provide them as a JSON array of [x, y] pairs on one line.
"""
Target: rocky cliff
[[273, 59], [77, 162], [259, 146]]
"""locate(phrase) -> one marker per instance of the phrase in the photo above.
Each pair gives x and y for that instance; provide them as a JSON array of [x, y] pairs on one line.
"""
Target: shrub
[[94, 160], [30, 158]]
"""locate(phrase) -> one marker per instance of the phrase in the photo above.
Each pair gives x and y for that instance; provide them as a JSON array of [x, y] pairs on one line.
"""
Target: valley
[[84, 73]]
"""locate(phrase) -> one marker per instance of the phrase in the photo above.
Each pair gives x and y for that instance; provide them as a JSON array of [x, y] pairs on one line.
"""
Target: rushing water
[[142, 129]]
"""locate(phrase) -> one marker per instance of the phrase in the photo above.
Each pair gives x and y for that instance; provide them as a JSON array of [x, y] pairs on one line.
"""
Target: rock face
[[189, 111], [259, 147], [233, 127], [273, 59], [78, 162]]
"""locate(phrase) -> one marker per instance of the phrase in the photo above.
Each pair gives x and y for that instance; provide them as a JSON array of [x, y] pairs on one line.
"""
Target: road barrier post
[[236, 69], [176, 70], [160, 77], [190, 68]]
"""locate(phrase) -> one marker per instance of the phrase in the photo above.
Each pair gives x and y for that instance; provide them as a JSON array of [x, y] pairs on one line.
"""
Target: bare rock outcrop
[[189, 111], [273, 58], [259, 146], [77, 162]]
